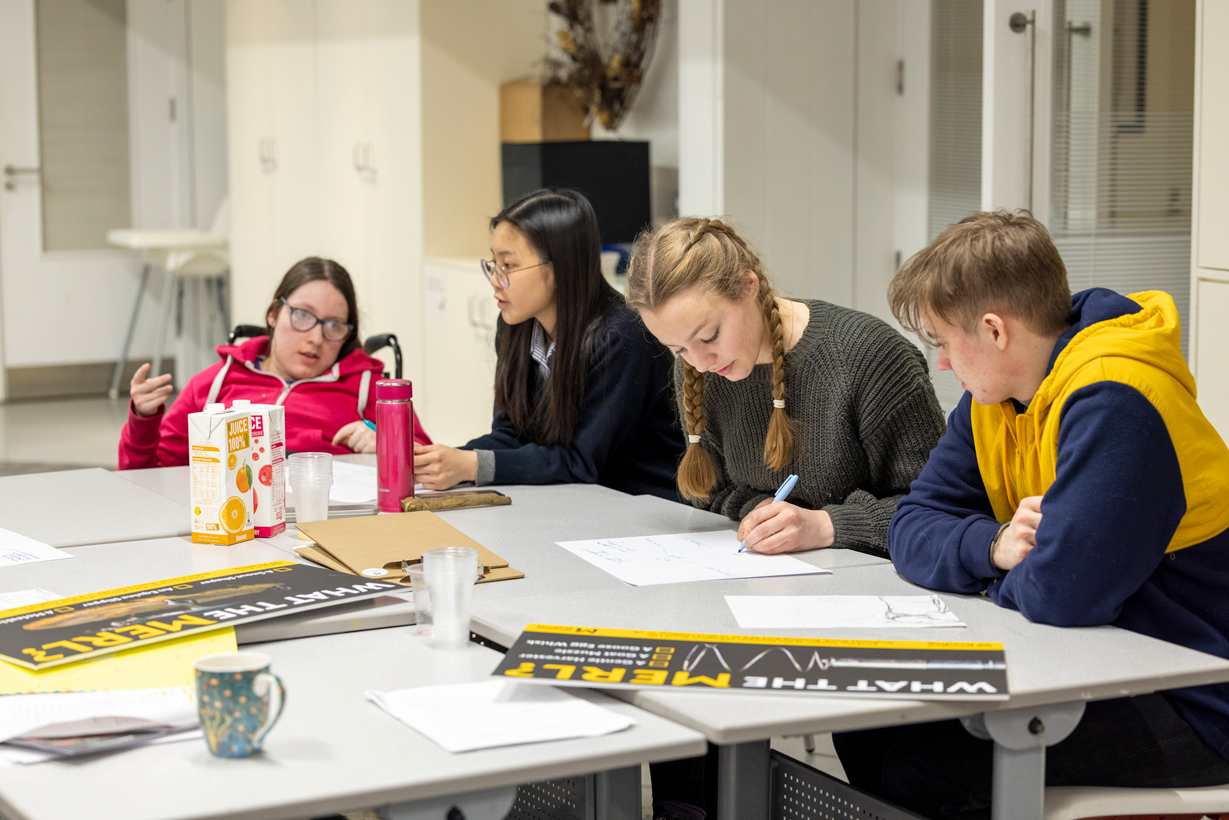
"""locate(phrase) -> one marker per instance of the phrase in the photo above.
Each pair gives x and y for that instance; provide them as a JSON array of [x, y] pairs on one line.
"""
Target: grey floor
[[43, 436]]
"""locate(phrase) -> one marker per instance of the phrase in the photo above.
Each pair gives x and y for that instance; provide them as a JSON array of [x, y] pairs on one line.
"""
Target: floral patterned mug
[[239, 700]]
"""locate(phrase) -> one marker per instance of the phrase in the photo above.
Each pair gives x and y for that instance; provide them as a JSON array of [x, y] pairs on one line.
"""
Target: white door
[[1017, 53], [57, 279]]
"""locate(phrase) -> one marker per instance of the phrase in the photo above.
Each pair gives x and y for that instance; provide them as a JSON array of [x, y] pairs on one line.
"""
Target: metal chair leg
[[118, 374], [169, 298], [808, 743]]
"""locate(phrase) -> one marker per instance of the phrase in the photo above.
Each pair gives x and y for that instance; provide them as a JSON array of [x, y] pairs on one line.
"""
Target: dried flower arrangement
[[603, 48]]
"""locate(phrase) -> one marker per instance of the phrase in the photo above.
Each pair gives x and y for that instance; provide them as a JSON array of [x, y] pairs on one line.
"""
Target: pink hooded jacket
[[315, 408]]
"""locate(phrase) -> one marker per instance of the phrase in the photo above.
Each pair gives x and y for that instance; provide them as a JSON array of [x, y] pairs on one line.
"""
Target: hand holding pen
[[776, 526]]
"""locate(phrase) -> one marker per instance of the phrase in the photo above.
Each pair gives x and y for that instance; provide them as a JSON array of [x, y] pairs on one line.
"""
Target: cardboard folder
[[381, 546]]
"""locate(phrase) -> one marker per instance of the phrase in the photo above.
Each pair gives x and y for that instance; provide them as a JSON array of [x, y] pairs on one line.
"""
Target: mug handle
[[272, 684]]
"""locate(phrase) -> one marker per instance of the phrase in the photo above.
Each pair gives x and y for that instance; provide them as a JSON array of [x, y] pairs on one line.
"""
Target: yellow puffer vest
[[1017, 453]]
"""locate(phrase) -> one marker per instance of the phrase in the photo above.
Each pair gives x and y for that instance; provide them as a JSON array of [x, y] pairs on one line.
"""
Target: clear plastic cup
[[422, 602], [450, 573], [311, 476]]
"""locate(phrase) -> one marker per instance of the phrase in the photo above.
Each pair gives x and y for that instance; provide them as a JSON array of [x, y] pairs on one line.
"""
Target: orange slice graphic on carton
[[233, 514], [230, 462]]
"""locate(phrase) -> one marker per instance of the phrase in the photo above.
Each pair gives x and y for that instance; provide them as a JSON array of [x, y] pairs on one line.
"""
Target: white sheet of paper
[[840, 611], [468, 716], [18, 549], [25, 597], [70, 714], [693, 556]]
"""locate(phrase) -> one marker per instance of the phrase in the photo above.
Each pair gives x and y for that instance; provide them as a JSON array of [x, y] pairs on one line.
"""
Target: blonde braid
[[696, 475], [779, 444]]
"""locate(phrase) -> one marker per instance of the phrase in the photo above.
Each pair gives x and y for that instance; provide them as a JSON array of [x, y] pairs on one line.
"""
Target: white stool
[[1075, 802], [180, 254]]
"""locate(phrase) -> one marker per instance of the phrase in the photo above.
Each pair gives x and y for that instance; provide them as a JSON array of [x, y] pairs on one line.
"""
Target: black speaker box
[[613, 176]]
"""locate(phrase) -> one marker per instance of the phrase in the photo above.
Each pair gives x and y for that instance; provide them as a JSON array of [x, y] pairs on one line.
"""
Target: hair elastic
[[779, 404], [693, 439]]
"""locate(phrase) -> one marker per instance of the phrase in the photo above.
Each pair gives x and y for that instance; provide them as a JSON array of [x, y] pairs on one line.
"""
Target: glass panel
[[1124, 89], [955, 132], [83, 121]]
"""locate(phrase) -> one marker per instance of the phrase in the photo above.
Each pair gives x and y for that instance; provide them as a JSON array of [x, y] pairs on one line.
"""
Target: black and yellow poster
[[69, 629], [619, 658]]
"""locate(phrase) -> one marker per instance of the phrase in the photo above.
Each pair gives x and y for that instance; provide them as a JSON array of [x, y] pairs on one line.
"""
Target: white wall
[[95, 304], [654, 115], [470, 48], [207, 107], [793, 128]]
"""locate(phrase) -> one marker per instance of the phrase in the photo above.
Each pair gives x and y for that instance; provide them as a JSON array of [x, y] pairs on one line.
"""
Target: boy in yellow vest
[[1079, 483]]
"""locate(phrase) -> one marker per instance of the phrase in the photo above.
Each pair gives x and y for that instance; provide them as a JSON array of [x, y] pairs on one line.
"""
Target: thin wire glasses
[[498, 274], [304, 320]]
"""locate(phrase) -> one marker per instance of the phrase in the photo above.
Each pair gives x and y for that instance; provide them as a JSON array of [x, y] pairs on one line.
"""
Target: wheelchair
[[373, 343]]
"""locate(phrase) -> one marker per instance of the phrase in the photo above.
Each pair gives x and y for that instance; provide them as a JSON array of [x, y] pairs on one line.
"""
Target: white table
[[334, 751], [91, 506], [1052, 672]]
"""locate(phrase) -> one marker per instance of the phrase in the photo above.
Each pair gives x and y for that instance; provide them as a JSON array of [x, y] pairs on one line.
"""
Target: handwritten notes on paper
[[18, 549], [841, 611], [674, 559]]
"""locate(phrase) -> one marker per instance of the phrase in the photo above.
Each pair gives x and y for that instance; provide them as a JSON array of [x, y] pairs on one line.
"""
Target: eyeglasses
[[304, 320], [498, 274]]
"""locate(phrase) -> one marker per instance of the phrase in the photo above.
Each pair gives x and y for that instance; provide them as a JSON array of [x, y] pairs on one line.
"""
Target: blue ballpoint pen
[[786, 488]]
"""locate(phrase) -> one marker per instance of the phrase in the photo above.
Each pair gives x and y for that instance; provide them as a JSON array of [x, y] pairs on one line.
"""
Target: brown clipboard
[[385, 545]]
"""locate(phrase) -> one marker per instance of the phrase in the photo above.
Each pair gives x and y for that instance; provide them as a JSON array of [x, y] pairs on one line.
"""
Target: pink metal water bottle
[[394, 442]]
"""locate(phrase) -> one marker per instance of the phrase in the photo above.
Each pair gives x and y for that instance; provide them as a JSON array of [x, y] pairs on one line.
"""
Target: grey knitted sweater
[[865, 420]]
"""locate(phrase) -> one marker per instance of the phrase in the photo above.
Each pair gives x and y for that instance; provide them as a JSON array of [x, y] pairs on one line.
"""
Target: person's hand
[[357, 436], [148, 395], [778, 526], [1020, 536], [437, 467]]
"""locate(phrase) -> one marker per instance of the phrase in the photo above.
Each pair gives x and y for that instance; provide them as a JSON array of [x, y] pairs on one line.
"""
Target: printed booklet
[[628, 659], [69, 629]]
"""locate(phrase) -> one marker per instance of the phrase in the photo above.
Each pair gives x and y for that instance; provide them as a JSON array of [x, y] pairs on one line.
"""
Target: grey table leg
[[616, 794], [170, 297], [113, 390], [1020, 739], [743, 780]]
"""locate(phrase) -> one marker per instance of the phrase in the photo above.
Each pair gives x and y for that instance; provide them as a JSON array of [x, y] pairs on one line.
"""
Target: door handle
[[13, 171], [1019, 22]]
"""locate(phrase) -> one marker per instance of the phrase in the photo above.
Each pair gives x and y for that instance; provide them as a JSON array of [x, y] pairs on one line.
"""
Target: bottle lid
[[394, 390], [240, 404], [215, 407]]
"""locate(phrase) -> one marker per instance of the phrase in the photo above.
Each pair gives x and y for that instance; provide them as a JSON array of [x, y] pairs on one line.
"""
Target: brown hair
[[990, 261], [315, 269], [690, 252]]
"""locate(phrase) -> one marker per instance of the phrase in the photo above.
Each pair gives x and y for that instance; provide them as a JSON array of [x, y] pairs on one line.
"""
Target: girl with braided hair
[[770, 386]]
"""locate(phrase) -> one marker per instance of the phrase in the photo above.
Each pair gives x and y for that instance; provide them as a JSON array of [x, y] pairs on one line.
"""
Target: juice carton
[[220, 448], [269, 461]]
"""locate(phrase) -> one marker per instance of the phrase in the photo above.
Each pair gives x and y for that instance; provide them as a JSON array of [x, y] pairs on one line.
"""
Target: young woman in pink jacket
[[311, 363]]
